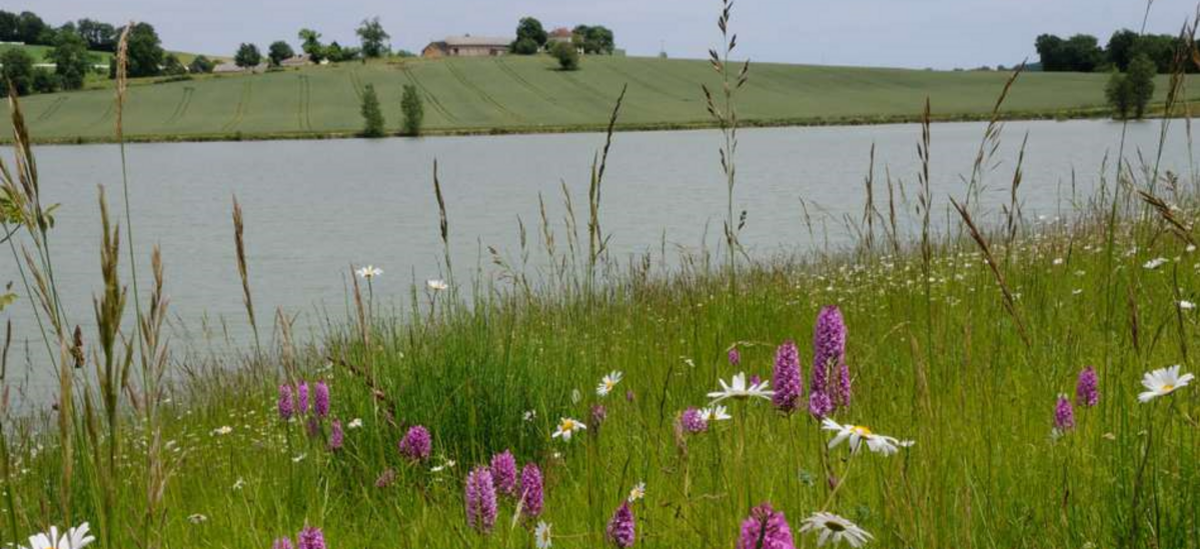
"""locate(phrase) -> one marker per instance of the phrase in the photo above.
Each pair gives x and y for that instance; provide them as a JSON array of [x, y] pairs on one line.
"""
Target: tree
[[201, 65], [524, 46], [311, 45], [8, 27], [594, 39], [30, 28], [1118, 97], [44, 81], [1120, 49], [336, 53], [413, 109], [172, 66], [145, 51], [1083, 53], [372, 115], [567, 56], [530, 28], [247, 56], [278, 51], [373, 37], [17, 70], [1139, 80], [99, 36], [70, 56], [1049, 48]]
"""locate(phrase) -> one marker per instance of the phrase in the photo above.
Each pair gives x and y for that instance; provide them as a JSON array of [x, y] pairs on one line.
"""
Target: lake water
[[313, 208]]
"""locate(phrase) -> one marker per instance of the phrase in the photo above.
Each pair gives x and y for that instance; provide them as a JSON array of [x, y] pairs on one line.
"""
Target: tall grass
[[960, 340]]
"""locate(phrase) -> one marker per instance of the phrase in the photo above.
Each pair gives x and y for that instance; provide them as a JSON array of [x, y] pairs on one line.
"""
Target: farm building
[[467, 46], [296, 61], [561, 34]]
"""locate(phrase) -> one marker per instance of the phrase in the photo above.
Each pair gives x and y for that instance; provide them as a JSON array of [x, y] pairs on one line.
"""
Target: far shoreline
[[1083, 113]]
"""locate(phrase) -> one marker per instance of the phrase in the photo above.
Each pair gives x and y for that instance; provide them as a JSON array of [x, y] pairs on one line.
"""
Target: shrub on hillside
[[567, 56]]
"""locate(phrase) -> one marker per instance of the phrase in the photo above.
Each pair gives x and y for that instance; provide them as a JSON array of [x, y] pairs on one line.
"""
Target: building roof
[[561, 32], [478, 41]]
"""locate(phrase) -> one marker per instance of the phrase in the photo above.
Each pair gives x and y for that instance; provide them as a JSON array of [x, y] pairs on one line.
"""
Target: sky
[[940, 34]]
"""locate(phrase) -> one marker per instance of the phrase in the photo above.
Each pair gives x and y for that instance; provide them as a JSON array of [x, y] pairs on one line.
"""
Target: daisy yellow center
[[835, 527], [608, 383], [860, 430], [567, 425], [1168, 387]]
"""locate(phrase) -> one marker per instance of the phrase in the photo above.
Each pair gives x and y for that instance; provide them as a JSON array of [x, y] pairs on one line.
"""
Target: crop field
[[529, 94]]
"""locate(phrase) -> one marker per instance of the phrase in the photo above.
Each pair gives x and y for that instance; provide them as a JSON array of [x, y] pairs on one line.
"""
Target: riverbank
[[526, 95]]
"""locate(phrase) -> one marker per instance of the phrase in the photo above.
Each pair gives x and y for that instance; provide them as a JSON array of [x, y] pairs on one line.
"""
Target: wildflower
[[693, 421], [1162, 382], [1155, 263], [829, 352], [576, 396], [786, 377], [282, 543], [735, 357], [336, 435], [608, 382], [599, 413], [856, 434], [566, 428], [531, 490], [321, 399], [715, 413], [481, 500], [629, 397], [766, 528], [445, 465], [302, 398], [416, 444], [355, 423], [385, 479], [1064, 414], [819, 404], [437, 285], [1186, 305], [1087, 392], [530, 415], [622, 528], [222, 431], [73, 538], [542, 535], [832, 528], [195, 518], [637, 492], [239, 484], [504, 473], [299, 458], [369, 272], [311, 538], [737, 388], [287, 402]]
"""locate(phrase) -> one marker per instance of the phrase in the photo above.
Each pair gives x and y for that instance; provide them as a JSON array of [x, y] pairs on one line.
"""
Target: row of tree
[[1083, 53], [374, 43], [29, 28], [532, 38], [411, 107]]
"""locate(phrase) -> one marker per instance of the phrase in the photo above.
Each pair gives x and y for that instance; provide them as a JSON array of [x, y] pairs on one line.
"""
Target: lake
[[313, 208]]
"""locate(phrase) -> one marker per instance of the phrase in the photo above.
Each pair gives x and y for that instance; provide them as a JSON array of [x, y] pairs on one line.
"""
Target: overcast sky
[[900, 33]]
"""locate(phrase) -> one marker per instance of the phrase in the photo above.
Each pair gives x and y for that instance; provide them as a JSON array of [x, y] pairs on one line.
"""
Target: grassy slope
[[527, 94]]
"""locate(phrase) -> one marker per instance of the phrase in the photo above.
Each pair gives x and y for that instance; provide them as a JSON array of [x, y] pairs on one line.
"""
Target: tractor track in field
[[433, 100], [51, 110], [604, 99], [458, 75], [643, 83], [356, 84], [543, 94], [303, 109], [107, 114], [181, 109], [242, 106]]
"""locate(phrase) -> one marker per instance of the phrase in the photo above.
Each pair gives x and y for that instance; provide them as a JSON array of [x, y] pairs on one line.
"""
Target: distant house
[[296, 61], [467, 46], [229, 67], [561, 34]]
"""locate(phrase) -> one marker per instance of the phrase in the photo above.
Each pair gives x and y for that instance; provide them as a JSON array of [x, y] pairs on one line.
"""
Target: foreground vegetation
[[1007, 364], [530, 94]]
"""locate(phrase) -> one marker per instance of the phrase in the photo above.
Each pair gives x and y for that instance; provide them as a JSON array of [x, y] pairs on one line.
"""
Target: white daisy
[[73, 538], [737, 388], [437, 284], [715, 413], [638, 492], [355, 423], [1162, 382], [856, 434], [195, 519], [1186, 305], [1155, 263], [608, 382], [530, 415], [369, 272], [832, 528], [542, 535], [566, 428], [222, 431]]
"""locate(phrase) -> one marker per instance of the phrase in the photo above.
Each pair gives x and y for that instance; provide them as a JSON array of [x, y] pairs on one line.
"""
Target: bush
[[201, 65], [247, 56], [414, 110], [1129, 94], [172, 66], [524, 46], [17, 69], [373, 123], [567, 56], [44, 81]]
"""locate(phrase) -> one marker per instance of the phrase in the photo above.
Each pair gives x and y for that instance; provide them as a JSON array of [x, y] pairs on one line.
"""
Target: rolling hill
[[529, 94]]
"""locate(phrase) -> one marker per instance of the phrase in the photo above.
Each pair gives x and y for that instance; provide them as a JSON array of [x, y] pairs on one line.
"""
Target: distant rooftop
[[468, 40]]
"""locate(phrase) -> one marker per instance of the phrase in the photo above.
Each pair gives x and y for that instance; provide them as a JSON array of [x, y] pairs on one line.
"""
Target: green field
[[517, 94]]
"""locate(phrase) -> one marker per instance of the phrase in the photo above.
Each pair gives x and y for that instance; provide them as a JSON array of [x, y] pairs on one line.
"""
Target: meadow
[[528, 94], [972, 386]]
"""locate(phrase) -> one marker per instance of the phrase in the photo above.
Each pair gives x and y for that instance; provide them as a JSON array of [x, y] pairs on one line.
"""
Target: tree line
[[1083, 53]]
